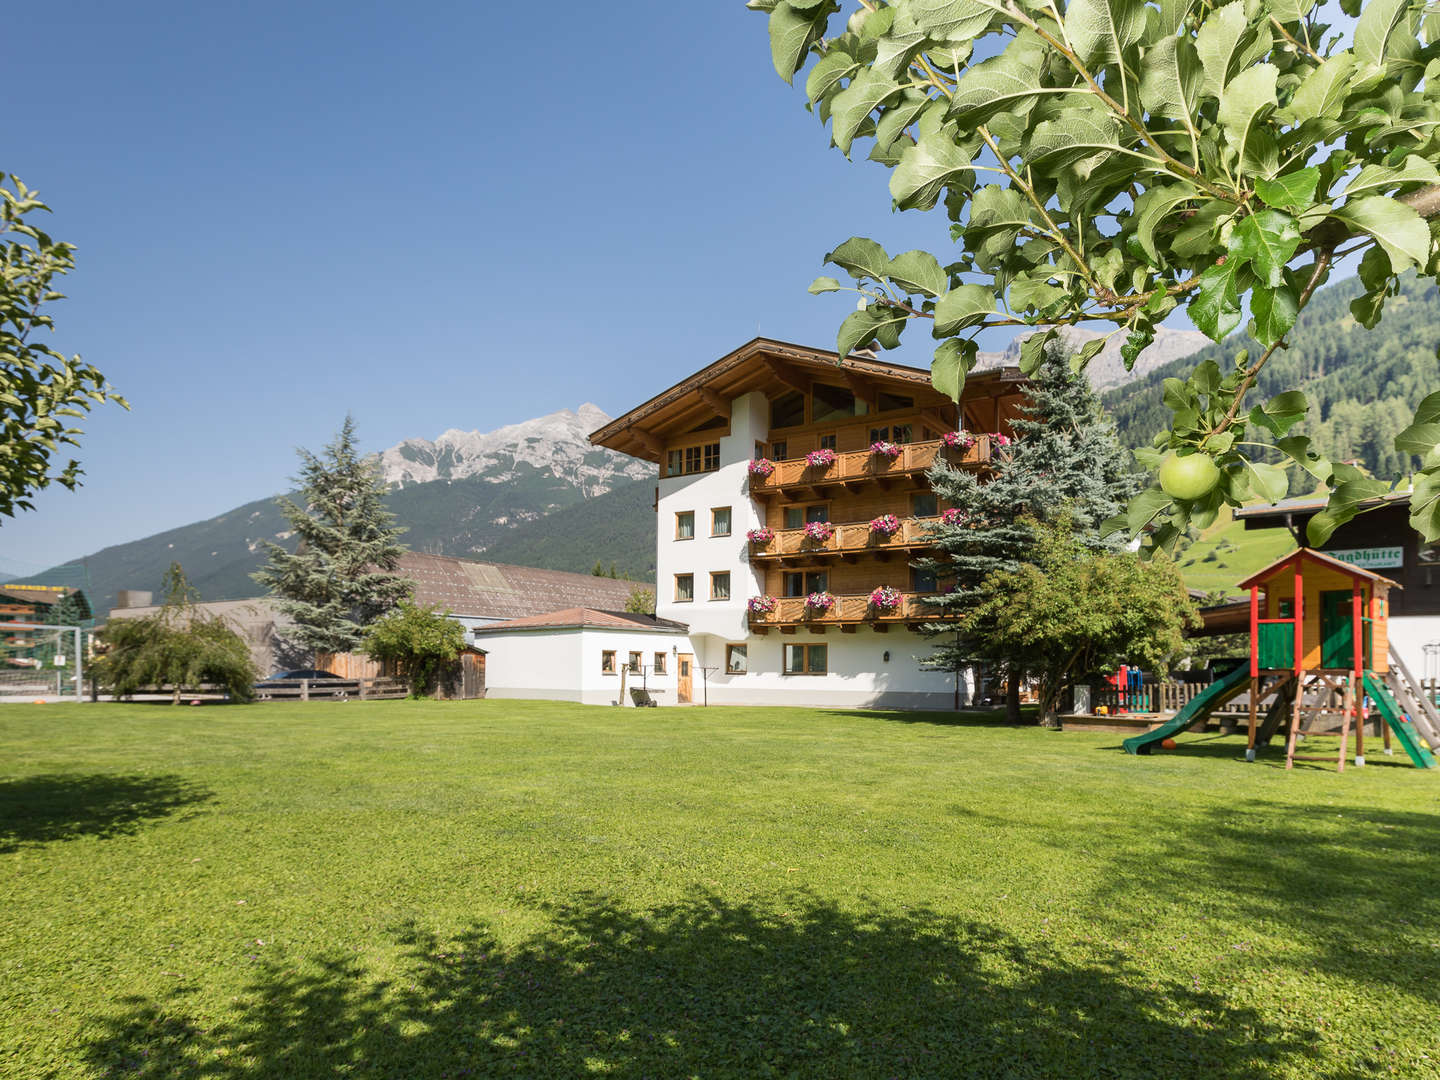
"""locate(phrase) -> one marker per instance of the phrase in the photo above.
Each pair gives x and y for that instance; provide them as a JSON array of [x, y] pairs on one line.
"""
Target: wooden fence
[[1158, 697], [330, 690]]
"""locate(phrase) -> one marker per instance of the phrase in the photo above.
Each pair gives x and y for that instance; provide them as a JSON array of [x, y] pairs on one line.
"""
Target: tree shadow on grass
[[63, 806], [971, 718], [704, 987]]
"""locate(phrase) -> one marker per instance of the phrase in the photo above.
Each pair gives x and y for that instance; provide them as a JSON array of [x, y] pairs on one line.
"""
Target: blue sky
[[437, 216]]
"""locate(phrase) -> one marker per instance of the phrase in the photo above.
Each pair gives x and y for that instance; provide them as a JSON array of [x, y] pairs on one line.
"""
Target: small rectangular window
[[806, 659], [818, 512], [879, 434], [902, 433], [658, 668], [828, 442], [675, 463], [685, 525], [793, 583], [720, 521], [1287, 609], [780, 450], [735, 660], [692, 459], [924, 504], [607, 662], [720, 585], [635, 663], [711, 453], [794, 517], [922, 580], [816, 581], [684, 587]]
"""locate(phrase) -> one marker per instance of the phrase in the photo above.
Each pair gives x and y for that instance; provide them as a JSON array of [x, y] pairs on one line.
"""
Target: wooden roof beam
[[865, 389], [647, 440], [714, 402], [787, 374]]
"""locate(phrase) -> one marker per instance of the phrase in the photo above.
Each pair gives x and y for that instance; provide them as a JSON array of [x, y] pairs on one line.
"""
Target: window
[[1287, 609], [658, 668], [685, 525], [806, 659], [720, 585], [607, 662], [804, 582], [734, 659], [897, 433], [779, 450], [693, 459], [797, 516], [922, 580], [787, 410], [827, 442], [887, 402], [684, 587], [720, 521], [635, 663], [675, 463], [924, 504], [833, 403], [711, 455]]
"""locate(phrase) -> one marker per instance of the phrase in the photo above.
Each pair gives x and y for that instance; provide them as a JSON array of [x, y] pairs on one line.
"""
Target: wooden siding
[[850, 538], [1321, 579]]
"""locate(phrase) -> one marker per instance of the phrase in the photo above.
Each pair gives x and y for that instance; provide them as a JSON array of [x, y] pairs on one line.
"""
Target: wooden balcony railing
[[848, 611], [858, 467], [850, 538]]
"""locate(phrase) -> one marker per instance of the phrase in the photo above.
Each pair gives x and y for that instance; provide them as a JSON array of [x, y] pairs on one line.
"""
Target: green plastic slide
[[1197, 708], [1404, 730]]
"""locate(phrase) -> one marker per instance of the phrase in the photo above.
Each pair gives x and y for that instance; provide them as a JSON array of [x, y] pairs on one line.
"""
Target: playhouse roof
[[1320, 558]]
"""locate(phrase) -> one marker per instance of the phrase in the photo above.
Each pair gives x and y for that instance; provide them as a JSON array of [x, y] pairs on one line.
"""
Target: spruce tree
[[342, 576], [1065, 460]]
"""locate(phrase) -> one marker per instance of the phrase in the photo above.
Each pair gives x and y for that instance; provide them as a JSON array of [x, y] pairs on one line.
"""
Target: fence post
[[304, 689]]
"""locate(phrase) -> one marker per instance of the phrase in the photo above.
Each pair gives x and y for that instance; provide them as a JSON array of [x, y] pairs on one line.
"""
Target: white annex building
[[792, 501]]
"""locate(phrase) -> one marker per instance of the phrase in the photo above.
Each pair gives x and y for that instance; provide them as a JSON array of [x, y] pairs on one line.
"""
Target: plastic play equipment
[[1318, 637]]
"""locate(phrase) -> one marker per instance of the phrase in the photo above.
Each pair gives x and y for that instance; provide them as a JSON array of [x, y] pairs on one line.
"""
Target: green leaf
[[1101, 30], [1267, 240], [918, 272], [853, 105], [1087, 352], [1374, 33], [1008, 82], [1143, 508], [1280, 413], [1031, 293], [1378, 177], [861, 258], [823, 285], [966, 306], [1425, 504], [925, 170], [949, 20], [1170, 80], [1075, 134], [861, 327], [1246, 99], [1293, 191], [833, 66], [897, 116], [1215, 307], [1322, 94], [1289, 11], [1399, 229], [953, 361], [1268, 480], [1032, 350], [1273, 310], [1423, 435], [793, 31], [1220, 46], [1153, 208], [1297, 448]]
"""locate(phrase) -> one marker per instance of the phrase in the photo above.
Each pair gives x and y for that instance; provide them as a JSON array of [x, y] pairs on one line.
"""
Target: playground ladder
[[1413, 699]]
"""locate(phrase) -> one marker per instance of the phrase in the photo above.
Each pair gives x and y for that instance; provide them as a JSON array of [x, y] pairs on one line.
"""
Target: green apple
[[1190, 477]]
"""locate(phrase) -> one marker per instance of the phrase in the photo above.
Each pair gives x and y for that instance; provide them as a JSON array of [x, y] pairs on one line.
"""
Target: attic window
[[887, 402], [788, 410], [833, 403]]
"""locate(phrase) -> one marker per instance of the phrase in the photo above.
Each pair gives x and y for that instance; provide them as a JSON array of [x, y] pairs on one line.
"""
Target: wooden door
[[1337, 629], [684, 663]]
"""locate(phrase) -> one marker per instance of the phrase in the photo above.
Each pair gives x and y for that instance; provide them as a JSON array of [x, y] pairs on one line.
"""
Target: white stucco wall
[[1409, 634], [564, 664], [700, 493]]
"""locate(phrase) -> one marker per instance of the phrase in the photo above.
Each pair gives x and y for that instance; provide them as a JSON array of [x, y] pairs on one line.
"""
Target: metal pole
[[79, 667]]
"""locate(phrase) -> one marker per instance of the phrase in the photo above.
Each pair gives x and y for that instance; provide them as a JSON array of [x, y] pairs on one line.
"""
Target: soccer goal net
[[41, 661]]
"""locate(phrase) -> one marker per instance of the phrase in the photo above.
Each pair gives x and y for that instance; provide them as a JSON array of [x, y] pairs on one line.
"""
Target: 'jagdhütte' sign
[[1376, 558]]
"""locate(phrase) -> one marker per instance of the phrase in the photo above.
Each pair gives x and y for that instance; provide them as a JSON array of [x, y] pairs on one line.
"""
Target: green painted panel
[[1277, 645], [1337, 629]]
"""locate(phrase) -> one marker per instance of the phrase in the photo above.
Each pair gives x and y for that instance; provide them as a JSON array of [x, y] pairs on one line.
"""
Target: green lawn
[[523, 889]]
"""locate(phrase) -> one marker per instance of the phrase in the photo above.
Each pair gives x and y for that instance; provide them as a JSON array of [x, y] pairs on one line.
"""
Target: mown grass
[[419, 889]]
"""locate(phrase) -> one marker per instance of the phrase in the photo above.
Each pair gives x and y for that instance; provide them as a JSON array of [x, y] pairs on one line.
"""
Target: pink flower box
[[762, 535], [762, 605], [761, 467], [885, 449], [820, 602], [885, 525], [886, 598], [820, 458], [818, 530]]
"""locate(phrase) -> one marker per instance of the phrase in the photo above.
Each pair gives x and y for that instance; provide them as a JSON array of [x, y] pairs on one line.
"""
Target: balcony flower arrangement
[[955, 516], [762, 605], [761, 536], [996, 439], [761, 467], [958, 440], [817, 603], [819, 531], [885, 525], [886, 598], [881, 448], [820, 458]]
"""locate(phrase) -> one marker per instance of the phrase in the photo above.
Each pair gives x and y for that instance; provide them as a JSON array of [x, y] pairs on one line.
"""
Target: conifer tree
[[1064, 461], [342, 576]]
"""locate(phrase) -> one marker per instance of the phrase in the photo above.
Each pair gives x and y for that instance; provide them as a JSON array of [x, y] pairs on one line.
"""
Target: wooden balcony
[[849, 613], [856, 468], [851, 540]]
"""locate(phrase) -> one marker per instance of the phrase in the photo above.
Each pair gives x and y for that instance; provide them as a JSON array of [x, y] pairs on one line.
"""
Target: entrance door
[[683, 663], [1337, 629]]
